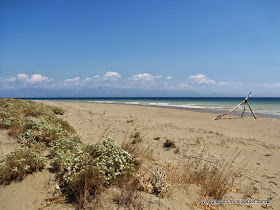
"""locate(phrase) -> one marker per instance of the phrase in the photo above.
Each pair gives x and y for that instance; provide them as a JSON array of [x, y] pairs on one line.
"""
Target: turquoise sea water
[[264, 107]]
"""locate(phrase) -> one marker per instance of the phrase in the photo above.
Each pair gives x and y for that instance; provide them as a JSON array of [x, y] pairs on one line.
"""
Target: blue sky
[[198, 47]]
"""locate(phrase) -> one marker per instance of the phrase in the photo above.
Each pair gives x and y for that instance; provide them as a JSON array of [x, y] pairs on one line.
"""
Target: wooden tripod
[[244, 102]]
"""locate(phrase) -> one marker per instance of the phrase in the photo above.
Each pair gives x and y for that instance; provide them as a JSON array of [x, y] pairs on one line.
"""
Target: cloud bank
[[202, 79], [199, 83]]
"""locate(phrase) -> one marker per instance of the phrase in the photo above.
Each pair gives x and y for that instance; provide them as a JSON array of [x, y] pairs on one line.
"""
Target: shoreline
[[196, 119], [247, 113]]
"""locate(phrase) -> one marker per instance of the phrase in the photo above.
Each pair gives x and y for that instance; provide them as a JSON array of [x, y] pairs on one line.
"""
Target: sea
[[263, 107]]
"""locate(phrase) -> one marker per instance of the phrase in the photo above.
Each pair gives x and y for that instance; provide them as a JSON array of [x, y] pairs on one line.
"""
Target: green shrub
[[66, 153], [72, 157], [57, 110], [29, 139], [16, 165], [112, 163], [22, 115], [109, 143], [169, 144], [8, 119], [136, 138], [75, 162], [43, 130]]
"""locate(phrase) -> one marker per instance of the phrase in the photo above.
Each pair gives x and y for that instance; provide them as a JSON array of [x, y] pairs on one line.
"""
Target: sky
[[139, 48]]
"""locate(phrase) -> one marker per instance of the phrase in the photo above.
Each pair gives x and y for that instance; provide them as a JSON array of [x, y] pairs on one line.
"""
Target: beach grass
[[214, 176]]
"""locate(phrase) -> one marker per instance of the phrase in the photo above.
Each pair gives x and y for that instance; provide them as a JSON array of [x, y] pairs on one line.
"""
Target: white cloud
[[35, 78], [202, 79], [22, 76], [144, 77], [184, 85], [76, 79], [11, 79], [111, 76], [87, 79], [93, 79], [169, 77]]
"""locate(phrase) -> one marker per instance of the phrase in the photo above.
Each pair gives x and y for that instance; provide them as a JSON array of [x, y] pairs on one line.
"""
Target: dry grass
[[214, 176], [129, 197], [138, 151], [85, 187]]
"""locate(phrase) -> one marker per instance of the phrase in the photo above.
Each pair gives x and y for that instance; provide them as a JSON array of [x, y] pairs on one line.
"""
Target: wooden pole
[[251, 110], [243, 111], [244, 101], [221, 115]]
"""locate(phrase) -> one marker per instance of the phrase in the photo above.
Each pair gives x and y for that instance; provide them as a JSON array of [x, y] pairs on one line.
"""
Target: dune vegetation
[[83, 171]]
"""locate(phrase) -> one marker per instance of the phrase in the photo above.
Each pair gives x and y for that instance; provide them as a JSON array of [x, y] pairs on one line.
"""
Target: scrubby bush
[[113, 163], [154, 184], [159, 183], [136, 138], [57, 110], [16, 165], [44, 130], [29, 140], [21, 115], [169, 143], [75, 161], [72, 156], [8, 119]]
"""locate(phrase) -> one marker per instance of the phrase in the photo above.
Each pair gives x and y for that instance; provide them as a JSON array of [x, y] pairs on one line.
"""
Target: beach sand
[[257, 140]]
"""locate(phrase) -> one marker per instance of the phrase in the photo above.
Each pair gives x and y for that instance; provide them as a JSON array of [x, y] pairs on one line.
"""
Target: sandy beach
[[256, 140]]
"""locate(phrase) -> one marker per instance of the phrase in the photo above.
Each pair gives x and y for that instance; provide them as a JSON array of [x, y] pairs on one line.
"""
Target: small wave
[[159, 104], [190, 106], [216, 107], [132, 103], [178, 105], [269, 112], [102, 102]]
